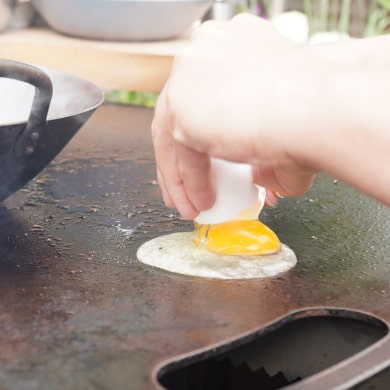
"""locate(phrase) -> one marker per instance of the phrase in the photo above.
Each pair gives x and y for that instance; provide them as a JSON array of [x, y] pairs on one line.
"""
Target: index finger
[[195, 172], [168, 176]]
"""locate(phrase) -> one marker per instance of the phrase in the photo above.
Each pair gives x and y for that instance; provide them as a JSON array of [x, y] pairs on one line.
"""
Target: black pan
[[40, 111]]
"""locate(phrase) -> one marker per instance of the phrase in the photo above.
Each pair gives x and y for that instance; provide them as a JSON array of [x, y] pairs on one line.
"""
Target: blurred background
[[357, 18], [303, 21]]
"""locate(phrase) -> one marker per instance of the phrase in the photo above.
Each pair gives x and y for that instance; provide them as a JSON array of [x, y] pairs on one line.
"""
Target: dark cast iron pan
[[40, 111]]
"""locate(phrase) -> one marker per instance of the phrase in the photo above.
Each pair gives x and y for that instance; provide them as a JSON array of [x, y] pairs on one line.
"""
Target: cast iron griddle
[[77, 311]]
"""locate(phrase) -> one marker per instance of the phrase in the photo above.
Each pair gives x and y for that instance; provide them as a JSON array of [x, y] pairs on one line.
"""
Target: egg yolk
[[237, 237]]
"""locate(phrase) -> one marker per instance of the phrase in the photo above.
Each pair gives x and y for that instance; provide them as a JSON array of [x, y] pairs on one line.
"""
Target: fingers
[[208, 30], [212, 32], [292, 181], [183, 174], [195, 172], [164, 192], [271, 198], [196, 116], [168, 174]]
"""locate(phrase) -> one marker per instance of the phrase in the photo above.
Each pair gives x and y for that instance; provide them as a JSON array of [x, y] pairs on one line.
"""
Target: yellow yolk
[[237, 237]]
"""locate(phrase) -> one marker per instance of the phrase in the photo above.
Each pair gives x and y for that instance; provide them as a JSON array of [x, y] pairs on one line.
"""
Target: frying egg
[[247, 237], [177, 253], [229, 241], [231, 226]]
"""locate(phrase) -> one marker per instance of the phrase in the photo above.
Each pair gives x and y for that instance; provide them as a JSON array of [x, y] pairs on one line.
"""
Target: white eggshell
[[235, 192]]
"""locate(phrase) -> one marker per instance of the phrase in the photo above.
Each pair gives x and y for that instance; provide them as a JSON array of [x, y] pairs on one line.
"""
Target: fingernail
[[270, 203], [278, 195], [165, 198]]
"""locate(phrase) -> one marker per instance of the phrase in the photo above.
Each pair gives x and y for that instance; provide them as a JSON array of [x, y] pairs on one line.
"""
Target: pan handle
[[36, 124]]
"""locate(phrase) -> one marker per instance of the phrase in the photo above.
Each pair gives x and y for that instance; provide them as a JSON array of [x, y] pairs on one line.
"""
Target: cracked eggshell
[[235, 193]]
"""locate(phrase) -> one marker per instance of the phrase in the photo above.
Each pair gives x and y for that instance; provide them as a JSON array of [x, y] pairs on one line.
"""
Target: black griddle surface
[[79, 312]]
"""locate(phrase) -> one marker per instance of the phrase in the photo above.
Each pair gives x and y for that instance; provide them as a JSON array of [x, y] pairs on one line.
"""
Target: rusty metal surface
[[77, 311]]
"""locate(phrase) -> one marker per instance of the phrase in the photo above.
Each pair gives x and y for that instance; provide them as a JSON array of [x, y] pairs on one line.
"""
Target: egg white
[[177, 253]]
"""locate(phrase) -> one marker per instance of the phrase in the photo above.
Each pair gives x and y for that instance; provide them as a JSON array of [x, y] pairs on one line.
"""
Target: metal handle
[[29, 137]]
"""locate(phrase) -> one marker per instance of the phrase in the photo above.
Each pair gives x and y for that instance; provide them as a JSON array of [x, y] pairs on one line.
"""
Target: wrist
[[351, 137]]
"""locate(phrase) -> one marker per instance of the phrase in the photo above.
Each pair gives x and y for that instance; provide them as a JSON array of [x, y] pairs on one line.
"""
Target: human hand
[[242, 93]]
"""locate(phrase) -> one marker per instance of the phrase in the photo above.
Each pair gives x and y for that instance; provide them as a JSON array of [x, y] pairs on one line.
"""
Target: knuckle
[[243, 17], [202, 28], [154, 130]]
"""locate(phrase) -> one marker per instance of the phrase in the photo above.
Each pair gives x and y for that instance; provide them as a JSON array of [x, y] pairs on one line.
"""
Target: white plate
[[132, 20]]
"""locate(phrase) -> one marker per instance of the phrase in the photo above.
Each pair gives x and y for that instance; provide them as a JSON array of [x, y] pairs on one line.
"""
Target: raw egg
[[177, 253], [237, 237], [229, 241], [231, 226]]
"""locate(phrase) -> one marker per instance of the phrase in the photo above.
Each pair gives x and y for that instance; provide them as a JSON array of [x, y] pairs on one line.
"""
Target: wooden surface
[[110, 65]]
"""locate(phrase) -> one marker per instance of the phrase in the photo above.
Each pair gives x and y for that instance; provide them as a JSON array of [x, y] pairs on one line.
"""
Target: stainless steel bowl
[[41, 110], [132, 20]]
